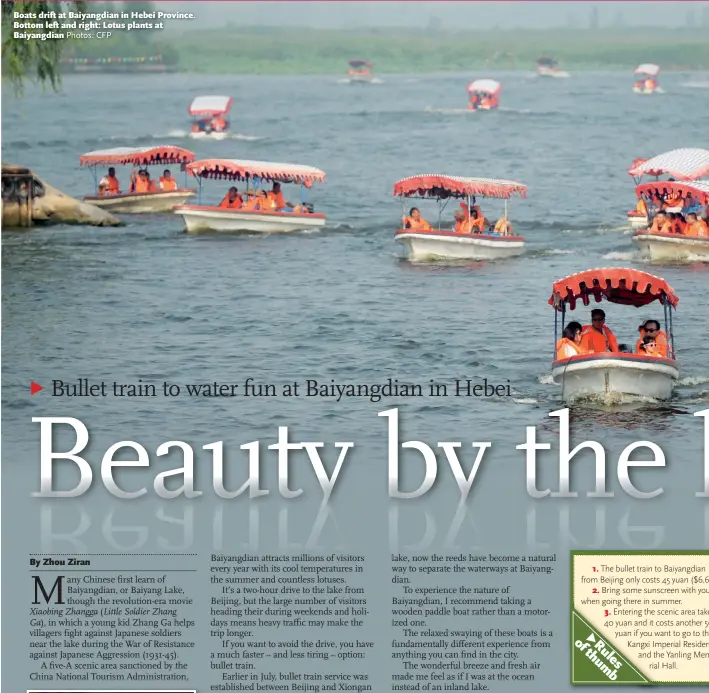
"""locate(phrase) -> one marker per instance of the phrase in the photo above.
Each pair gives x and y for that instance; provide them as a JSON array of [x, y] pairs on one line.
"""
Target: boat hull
[[423, 245], [141, 203], [638, 221], [208, 135], [548, 72], [610, 376], [671, 246], [200, 219], [656, 90]]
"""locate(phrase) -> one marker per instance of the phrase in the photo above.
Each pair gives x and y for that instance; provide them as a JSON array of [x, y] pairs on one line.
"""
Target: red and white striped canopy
[[139, 156], [436, 185], [649, 69], [683, 164], [240, 169], [487, 86], [698, 188], [210, 105]]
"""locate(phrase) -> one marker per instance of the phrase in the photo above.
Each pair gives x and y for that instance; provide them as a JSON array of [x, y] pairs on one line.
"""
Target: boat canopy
[[699, 189], [438, 186], [685, 164], [616, 284], [139, 156], [546, 61], [236, 169], [486, 86], [210, 105], [649, 69], [358, 63]]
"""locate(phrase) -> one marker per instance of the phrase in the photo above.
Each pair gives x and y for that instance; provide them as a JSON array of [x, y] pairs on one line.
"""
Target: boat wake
[[695, 85], [632, 256], [182, 134]]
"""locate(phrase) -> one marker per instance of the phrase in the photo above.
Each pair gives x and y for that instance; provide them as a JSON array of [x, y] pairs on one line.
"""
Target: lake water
[[146, 301]]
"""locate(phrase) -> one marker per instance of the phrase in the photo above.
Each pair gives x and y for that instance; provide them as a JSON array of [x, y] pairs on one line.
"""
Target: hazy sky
[[505, 15]]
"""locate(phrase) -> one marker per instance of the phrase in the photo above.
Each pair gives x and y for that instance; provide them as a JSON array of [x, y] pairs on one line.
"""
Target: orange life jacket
[[641, 206], [226, 203], [697, 229], [277, 198], [168, 183], [420, 225], [141, 186], [565, 348], [660, 339], [113, 187], [657, 227], [267, 204], [597, 342], [218, 123]]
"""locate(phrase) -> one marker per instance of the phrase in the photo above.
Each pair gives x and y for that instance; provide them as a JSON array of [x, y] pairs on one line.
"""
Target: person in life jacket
[[641, 207], [141, 182], [167, 182], [503, 226], [570, 344], [462, 222], [677, 222], [217, 124], [696, 228], [415, 221], [109, 185], [650, 84], [276, 195], [474, 101], [651, 328], [660, 224], [597, 337], [232, 200], [649, 347], [478, 223]]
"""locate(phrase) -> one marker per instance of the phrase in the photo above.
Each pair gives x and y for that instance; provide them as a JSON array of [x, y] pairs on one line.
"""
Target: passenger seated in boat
[[640, 208], [597, 337], [639, 84], [570, 344], [503, 226], [415, 221], [648, 347], [217, 124], [276, 195], [660, 224], [696, 228], [650, 84], [474, 102], [462, 222], [232, 200], [478, 223], [141, 183], [167, 182], [651, 328], [109, 185], [691, 205]]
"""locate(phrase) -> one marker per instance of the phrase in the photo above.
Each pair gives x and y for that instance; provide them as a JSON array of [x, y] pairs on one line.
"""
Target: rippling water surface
[[148, 301]]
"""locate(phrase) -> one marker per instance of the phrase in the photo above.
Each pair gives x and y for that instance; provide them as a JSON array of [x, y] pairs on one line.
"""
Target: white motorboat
[[549, 67], [658, 247], [647, 84], [253, 214], [209, 117], [160, 196], [612, 375], [472, 238], [484, 95]]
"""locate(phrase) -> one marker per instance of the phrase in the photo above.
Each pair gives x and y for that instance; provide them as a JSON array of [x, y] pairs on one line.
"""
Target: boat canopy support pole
[[303, 194], [556, 330], [95, 176], [671, 331], [199, 190]]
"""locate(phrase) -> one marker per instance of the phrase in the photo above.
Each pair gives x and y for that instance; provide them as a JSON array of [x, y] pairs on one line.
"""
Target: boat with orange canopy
[[209, 117], [688, 245], [360, 72], [155, 200], [250, 217], [647, 82], [463, 244], [484, 95], [686, 164], [610, 375], [549, 67]]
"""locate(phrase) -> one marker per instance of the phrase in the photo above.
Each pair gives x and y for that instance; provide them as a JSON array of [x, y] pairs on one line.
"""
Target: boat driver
[[598, 337]]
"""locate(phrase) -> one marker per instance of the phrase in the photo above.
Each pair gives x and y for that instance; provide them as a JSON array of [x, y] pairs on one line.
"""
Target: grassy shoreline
[[258, 50]]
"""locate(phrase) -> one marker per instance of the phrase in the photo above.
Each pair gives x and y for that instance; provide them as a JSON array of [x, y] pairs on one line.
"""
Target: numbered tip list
[[654, 608]]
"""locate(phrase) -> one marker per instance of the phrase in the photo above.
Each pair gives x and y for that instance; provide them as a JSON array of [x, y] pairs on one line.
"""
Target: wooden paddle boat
[[159, 197], [468, 240], [549, 67], [484, 95], [687, 164], [209, 117], [610, 375], [647, 82], [249, 215]]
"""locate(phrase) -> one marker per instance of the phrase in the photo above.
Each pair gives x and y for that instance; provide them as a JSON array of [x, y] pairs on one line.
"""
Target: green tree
[[22, 57]]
